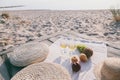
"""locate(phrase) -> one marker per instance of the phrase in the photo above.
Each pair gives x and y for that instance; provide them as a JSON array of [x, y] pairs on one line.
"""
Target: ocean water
[[60, 4]]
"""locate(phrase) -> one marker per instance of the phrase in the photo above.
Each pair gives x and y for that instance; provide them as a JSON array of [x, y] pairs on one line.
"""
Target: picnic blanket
[[86, 72]]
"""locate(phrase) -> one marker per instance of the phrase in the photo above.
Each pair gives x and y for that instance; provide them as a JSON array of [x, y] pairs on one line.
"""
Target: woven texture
[[29, 53], [108, 70], [43, 71]]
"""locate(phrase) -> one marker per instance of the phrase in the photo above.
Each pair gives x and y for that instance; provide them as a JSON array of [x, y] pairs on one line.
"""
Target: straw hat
[[108, 70], [28, 53], [43, 71]]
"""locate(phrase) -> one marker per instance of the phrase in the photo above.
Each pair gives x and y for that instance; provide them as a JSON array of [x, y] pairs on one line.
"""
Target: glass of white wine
[[71, 47], [63, 46]]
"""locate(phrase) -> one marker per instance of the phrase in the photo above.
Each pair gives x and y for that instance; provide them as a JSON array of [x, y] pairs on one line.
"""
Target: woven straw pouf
[[43, 71], [109, 69], [28, 53]]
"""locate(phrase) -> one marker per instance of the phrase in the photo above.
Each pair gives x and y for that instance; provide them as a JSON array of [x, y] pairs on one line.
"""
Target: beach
[[24, 26]]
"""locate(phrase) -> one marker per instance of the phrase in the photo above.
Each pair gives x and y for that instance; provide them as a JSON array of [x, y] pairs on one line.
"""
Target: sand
[[24, 26], [28, 25]]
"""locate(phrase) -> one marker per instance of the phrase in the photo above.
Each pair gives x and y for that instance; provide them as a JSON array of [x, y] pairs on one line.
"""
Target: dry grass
[[116, 14], [5, 15], [2, 21]]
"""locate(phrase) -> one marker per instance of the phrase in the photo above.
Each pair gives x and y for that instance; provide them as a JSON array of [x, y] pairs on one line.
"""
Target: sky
[[62, 4]]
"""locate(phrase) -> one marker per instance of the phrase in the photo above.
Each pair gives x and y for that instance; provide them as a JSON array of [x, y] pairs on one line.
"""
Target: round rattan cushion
[[108, 70], [28, 53], [43, 71]]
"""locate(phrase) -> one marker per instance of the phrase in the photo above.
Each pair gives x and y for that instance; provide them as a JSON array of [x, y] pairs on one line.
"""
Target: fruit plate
[[86, 72]]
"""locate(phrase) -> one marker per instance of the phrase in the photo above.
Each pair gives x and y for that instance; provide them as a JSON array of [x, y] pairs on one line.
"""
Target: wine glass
[[63, 45], [71, 47]]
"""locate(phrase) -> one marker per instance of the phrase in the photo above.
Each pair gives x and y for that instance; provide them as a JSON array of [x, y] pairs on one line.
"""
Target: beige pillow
[[28, 53], [43, 71]]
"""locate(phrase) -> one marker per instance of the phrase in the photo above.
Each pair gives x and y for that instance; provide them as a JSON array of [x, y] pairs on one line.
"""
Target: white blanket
[[86, 72]]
